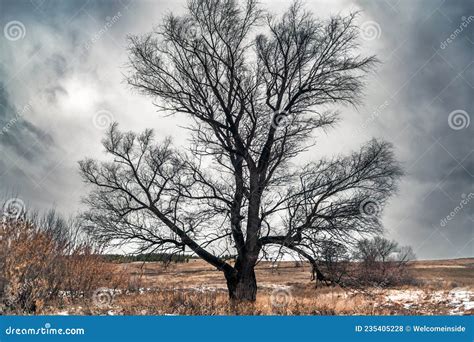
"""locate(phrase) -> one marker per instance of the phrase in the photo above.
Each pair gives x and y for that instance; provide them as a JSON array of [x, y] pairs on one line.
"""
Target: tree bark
[[242, 284]]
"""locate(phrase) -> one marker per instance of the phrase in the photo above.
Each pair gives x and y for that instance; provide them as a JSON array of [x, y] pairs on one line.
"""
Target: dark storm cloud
[[436, 76], [25, 139], [70, 65], [56, 75]]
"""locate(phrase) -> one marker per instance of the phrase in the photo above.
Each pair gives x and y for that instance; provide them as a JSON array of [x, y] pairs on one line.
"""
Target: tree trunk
[[242, 285]]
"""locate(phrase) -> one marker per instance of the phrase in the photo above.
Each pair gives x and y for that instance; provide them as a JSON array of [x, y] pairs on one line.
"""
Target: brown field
[[195, 288]]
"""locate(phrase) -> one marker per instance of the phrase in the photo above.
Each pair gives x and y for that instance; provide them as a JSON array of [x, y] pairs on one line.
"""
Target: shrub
[[29, 267], [42, 260], [382, 262]]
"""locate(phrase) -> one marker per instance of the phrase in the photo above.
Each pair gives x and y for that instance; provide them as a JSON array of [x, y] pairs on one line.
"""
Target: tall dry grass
[[191, 302], [39, 266]]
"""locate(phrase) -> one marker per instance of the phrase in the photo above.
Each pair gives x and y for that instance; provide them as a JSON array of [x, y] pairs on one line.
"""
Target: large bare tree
[[256, 88]]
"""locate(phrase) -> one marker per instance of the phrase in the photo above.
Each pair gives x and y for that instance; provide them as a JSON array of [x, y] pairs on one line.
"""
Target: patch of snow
[[469, 305], [275, 286], [203, 289], [404, 295], [459, 299], [63, 313]]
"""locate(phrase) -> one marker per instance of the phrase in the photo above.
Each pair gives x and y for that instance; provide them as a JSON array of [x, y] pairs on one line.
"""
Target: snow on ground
[[62, 313], [459, 300], [402, 296]]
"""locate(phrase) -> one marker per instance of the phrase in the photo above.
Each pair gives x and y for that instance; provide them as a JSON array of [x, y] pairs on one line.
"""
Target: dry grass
[[192, 302], [198, 289], [53, 278], [444, 273], [45, 273], [37, 269], [438, 274]]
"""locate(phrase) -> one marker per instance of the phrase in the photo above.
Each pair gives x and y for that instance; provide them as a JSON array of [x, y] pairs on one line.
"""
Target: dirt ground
[[443, 287], [197, 273]]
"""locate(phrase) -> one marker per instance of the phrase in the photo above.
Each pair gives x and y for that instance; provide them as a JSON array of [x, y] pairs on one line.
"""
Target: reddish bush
[[39, 264]]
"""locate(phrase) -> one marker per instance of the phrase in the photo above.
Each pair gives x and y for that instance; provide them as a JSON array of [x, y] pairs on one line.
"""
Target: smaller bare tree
[[382, 261], [335, 259]]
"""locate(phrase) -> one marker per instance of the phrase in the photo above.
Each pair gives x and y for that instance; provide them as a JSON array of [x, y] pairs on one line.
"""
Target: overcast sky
[[61, 83]]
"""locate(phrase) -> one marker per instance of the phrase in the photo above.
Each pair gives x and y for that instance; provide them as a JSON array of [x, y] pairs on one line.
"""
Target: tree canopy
[[257, 88]]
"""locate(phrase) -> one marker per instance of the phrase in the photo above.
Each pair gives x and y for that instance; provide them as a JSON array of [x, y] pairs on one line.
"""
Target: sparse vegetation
[[150, 257], [60, 275], [194, 288], [43, 259], [382, 262]]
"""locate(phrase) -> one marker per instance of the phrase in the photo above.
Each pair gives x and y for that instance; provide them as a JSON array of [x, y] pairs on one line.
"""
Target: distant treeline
[[161, 257]]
